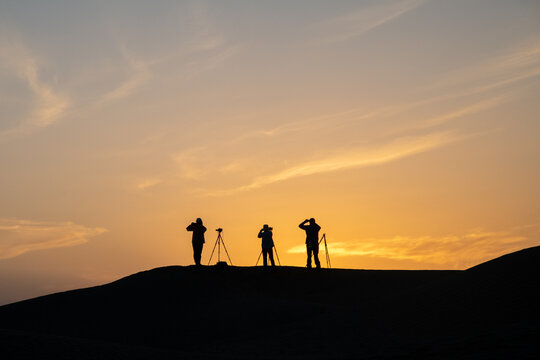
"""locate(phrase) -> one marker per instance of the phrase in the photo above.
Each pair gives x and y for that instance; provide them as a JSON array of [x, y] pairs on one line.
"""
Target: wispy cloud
[[219, 57], [451, 251], [204, 49], [317, 122], [514, 64], [21, 236], [49, 103], [482, 79], [204, 37], [357, 23], [510, 67], [148, 183], [463, 112], [353, 158], [189, 163], [138, 74], [392, 121], [356, 115], [520, 63]]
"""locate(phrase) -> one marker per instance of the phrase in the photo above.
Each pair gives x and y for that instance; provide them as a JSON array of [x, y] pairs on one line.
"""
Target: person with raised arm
[[312, 241]]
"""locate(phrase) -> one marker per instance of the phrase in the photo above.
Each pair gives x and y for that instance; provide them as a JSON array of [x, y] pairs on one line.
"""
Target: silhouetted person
[[198, 239], [312, 241], [267, 244]]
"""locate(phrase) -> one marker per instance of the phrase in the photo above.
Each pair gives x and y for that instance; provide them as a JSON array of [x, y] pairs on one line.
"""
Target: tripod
[[259, 258], [328, 265], [219, 242]]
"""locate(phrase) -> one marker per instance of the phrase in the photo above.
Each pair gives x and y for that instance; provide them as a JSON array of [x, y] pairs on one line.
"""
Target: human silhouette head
[[311, 221], [199, 221], [265, 226]]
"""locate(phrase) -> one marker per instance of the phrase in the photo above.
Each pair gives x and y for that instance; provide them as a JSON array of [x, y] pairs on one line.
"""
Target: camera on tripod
[[219, 243]]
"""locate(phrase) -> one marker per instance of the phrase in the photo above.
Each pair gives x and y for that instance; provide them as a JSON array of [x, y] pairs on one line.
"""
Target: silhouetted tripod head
[[219, 230]]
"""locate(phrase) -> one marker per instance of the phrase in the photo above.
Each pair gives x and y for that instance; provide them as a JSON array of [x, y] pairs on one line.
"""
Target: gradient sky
[[409, 129]]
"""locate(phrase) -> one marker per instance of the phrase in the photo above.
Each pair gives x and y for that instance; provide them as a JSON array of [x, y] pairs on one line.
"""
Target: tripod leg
[[213, 251], [226, 252], [219, 240], [277, 256], [259, 258], [328, 265]]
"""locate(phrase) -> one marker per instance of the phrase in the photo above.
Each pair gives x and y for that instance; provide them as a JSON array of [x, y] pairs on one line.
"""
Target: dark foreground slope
[[489, 311]]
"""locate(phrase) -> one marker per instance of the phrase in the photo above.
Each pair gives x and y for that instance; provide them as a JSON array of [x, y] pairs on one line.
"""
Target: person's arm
[[203, 229], [303, 224], [190, 227], [260, 234]]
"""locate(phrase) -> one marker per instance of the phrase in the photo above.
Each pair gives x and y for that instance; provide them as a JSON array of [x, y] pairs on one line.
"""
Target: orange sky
[[408, 129]]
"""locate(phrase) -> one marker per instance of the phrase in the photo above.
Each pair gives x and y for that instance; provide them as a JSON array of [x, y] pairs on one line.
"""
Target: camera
[[219, 230]]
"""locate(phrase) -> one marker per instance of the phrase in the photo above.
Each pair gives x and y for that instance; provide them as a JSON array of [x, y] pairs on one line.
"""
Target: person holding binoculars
[[198, 239], [267, 243]]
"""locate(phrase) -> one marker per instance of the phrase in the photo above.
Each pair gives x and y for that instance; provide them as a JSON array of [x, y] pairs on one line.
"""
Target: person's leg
[[271, 256], [265, 253], [316, 257], [308, 256], [197, 250]]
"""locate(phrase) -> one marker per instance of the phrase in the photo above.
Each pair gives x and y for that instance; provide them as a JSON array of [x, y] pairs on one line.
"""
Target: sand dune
[[488, 311]]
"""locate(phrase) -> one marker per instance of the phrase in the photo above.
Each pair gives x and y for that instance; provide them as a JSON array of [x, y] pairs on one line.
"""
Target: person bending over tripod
[[267, 244], [312, 240], [197, 240]]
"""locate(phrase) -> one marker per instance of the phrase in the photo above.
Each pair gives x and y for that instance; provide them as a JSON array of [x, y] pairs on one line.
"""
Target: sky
[[407, 128]]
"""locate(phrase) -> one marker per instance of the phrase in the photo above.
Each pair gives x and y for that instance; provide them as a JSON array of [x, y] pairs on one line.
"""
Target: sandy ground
[[487, 312]]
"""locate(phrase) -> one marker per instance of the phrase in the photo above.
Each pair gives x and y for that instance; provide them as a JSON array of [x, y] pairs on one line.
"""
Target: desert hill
[[488, 311], [520, 262]]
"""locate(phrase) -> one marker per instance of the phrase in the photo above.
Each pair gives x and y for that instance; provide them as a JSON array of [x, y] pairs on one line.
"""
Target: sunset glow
[[409, 129]]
